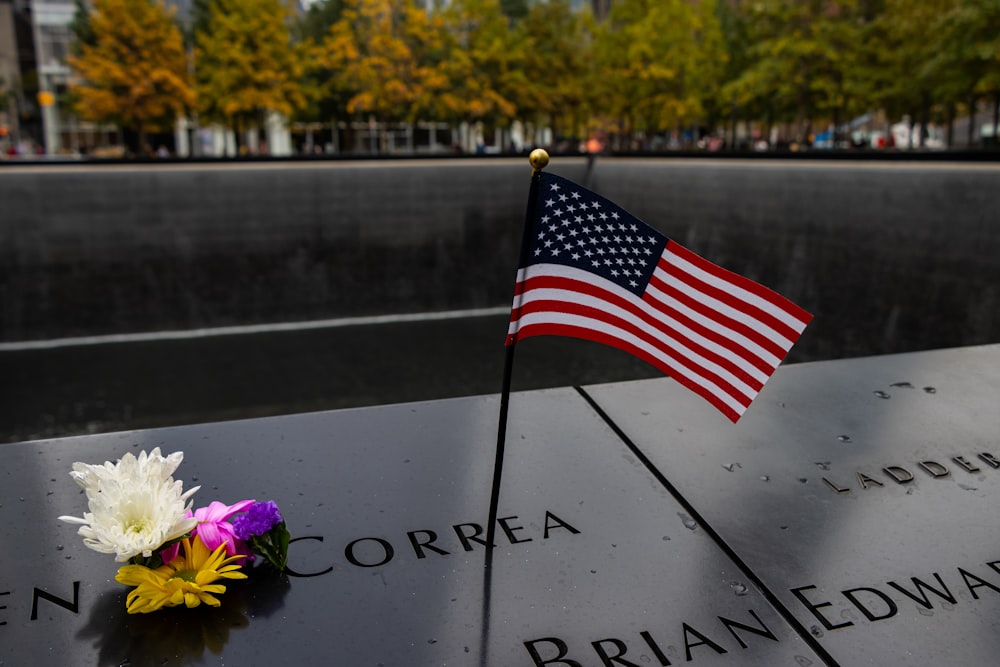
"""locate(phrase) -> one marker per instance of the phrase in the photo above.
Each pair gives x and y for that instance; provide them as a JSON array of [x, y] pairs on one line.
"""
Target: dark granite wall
[[889, 256]]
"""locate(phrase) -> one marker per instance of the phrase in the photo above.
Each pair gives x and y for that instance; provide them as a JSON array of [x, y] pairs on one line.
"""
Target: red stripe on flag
[[734, 302], [724, 321], [670, 340], [661, 345], [550, 329], [795, 311], [705, 331]]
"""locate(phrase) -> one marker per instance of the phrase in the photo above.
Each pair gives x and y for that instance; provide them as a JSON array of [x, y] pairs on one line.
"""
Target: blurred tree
[[979, 26], [325, 101], [6, 97], [515, 10], [247, 64], [385, 59], [486, 61], [662, 62], [804, 61], [135, 73], [908, 79], [434, 96], [81, 31], [736, 101], [556, 42], [318, 19], [965, 60]]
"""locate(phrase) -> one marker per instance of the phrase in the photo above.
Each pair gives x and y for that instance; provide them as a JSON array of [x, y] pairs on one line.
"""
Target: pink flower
[[214, 529], [213, 524]]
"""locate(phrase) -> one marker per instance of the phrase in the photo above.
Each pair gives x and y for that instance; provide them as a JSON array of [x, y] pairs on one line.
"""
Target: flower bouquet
[[175, 556]]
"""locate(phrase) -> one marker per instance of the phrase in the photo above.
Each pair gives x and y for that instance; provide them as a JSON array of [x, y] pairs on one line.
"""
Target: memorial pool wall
[[889, 256]]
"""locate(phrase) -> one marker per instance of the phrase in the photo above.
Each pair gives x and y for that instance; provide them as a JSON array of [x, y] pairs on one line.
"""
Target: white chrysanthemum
[[135, 504]]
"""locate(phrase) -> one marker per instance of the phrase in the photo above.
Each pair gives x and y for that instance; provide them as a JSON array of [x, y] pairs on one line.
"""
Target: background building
[[19, 119]]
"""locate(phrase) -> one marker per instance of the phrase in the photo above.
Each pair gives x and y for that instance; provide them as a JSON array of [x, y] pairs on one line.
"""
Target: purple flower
[[258, 520]]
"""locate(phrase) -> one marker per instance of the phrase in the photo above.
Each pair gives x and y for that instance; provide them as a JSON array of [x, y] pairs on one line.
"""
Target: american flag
[[591, 270]]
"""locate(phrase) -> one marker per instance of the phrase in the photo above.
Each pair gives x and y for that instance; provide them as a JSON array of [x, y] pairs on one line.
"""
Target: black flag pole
[[538, 159]]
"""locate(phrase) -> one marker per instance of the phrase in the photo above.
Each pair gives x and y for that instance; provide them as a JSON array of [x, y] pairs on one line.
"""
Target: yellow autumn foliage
[[246, 61], [136, 72]]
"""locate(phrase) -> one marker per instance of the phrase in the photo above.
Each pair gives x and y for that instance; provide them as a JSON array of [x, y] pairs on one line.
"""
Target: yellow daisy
[[188, 579]]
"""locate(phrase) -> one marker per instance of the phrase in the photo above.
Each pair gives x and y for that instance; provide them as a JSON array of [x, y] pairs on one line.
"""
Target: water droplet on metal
[[59, 547], [844, 438], [666, 538], [816, 632], [823, 465], [731, 466], [930, 390], [803, 480], [967, 487], [738, 588], [803, 661], [765, 478], [881, 394], [901, 384], [925, 612], [688, 522]]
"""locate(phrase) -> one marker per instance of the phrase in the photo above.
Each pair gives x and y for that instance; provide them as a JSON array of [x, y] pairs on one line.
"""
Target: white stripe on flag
[[738, 292], [679, 344], [677, 363]]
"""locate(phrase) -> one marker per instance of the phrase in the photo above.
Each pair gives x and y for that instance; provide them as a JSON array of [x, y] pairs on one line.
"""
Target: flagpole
[[538, 159]]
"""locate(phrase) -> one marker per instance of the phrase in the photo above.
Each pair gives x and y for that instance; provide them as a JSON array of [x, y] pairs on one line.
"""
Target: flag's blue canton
[[578, 228]]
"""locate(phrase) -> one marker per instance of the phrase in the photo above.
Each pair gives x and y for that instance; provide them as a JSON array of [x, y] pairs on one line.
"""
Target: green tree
[[247, 64], [135, 73], [735, 30], [80, 28], [515, 10], [803, 62], [661, 63], [311, 29], [316, 22], [556, 43], [6, 93], [907, 42], [966, 56], [486, 63]]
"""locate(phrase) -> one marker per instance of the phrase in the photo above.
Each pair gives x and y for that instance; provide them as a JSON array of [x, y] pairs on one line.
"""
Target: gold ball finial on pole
[[538, 159]]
